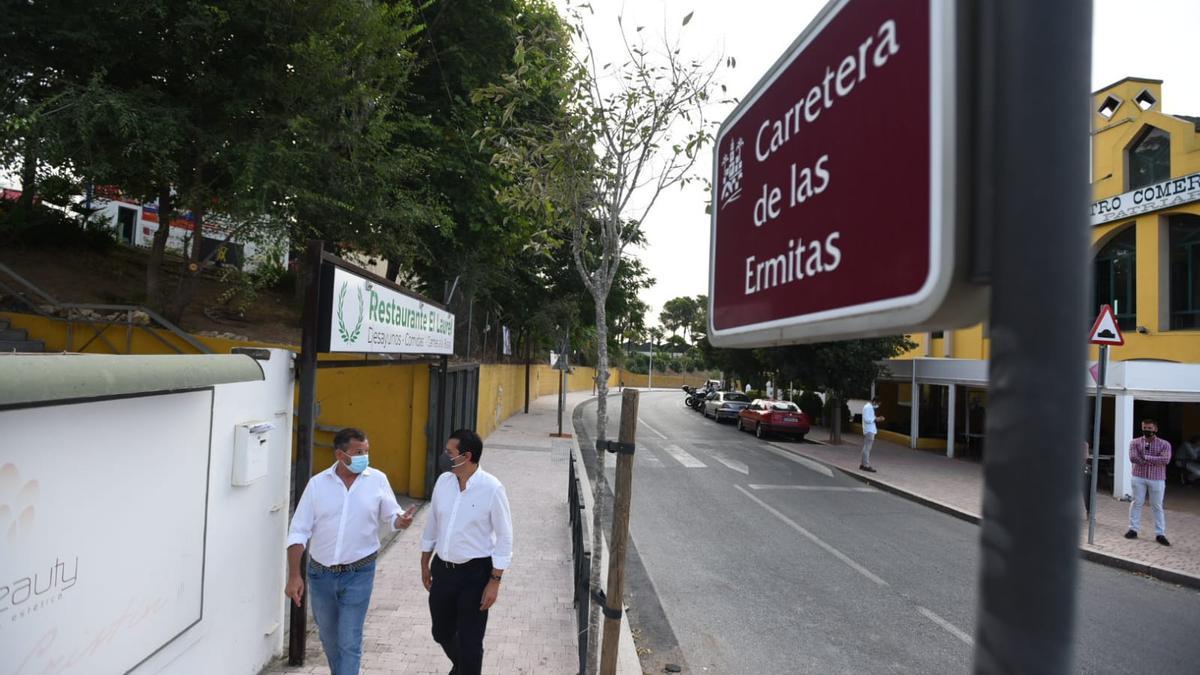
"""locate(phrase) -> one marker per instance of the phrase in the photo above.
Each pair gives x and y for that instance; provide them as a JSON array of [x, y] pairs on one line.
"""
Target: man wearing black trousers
[[465, 549]]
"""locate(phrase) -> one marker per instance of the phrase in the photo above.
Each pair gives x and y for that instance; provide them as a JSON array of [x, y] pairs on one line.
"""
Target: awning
[[37, 378]]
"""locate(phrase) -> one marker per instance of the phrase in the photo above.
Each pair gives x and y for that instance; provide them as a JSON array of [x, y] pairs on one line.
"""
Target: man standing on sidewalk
[[338, 519], [470, 529], [869, 418], [1150, 456]]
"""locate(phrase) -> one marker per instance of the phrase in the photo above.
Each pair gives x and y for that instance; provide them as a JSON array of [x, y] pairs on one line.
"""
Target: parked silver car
[[725, 405]]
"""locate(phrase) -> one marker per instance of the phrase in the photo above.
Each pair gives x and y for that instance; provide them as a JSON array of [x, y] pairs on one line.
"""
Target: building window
[[1116, 281], [1149, 158], [1184, 291], [1145, 100], [1109, 106]]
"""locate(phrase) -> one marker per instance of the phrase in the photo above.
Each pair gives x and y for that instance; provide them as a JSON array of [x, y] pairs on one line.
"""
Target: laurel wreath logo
[[349, 336]]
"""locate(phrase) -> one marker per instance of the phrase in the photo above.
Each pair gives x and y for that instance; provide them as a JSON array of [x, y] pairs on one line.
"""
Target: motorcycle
[[695, 398]]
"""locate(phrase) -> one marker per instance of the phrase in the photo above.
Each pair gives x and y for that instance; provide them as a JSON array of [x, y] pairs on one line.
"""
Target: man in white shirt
[[869, 418], [338, 519], [465, 549]]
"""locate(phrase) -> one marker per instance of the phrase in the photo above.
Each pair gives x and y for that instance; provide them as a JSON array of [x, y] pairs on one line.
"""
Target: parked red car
[[764, 417]]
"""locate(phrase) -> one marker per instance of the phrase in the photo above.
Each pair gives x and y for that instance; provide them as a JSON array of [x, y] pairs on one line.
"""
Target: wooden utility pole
[[620, 532]]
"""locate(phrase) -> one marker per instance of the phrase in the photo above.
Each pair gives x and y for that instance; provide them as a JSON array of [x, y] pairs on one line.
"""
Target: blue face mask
[[358, 463]]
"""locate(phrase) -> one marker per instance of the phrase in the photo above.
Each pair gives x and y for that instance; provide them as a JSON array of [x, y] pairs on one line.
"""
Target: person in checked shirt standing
[[465, 549], [1150, 456], [338, 519]]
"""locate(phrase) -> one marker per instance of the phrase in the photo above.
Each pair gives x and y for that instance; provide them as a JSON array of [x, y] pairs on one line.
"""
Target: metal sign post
[[1105, 332], [1095, 458], [304, 431], [1033, 186]]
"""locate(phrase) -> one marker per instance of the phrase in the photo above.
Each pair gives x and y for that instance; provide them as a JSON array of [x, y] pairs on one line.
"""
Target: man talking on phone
[[1150, 456], [338, 519], [465, 549]]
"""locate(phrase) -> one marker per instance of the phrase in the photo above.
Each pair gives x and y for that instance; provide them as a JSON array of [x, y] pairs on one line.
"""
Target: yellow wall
[[382, 401], [662, 381], [1110, 140]]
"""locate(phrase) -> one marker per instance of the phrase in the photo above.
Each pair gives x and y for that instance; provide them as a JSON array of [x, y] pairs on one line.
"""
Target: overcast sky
[[1149, 38]]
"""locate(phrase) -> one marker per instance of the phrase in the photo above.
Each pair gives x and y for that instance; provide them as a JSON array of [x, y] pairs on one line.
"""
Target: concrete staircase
[[17, 340]]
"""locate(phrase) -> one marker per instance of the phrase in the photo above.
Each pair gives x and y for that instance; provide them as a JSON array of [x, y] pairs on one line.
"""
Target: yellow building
[[1145, 226]]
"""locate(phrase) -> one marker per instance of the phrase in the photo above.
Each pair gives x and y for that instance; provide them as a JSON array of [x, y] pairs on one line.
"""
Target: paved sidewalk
[[531, 629], [957, 485]]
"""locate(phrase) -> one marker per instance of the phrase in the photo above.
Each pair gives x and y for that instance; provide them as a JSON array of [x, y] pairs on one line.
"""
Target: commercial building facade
[[1145, 233]]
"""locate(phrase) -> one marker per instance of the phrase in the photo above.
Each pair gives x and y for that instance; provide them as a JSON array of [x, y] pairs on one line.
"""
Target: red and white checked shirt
[[1150, 458]]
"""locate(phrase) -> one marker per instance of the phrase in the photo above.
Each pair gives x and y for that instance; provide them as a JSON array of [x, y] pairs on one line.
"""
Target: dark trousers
[[1087, 491], [458, 623]]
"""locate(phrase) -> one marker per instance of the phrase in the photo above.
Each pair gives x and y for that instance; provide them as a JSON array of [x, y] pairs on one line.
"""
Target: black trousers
[[1087, 491], [458, 623]]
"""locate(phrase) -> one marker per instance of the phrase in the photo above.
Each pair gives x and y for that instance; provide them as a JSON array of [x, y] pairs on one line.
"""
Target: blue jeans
[[339, 606], [1148, 490]]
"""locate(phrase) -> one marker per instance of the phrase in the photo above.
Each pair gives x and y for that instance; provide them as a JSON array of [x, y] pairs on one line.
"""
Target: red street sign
[[834, 211], [1106, 331]]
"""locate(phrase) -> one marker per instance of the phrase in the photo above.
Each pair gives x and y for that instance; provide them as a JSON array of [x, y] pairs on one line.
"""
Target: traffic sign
[[1106, 331], [836, 185]]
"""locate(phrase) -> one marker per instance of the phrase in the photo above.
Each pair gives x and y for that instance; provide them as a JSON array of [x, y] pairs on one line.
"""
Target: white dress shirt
[[473, 523], [341, 526], [868, 419]]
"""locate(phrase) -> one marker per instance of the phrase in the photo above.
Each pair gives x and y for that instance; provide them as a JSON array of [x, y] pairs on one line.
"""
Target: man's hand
[[426, 577], [489, 595], [405, 519], [295, 588]]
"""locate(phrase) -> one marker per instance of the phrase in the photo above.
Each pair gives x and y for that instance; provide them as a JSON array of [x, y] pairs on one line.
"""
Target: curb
[[1107, 559]]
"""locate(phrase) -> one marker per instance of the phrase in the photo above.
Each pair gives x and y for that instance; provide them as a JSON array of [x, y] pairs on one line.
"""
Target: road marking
[[683, 457], [949, 627], [814, 538], [733, 464], [815, 488], [660, 434], [648, 459], [802, 461]]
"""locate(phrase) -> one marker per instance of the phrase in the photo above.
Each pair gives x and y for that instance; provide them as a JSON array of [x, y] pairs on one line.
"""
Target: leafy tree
[[624, 133], [679, 313]]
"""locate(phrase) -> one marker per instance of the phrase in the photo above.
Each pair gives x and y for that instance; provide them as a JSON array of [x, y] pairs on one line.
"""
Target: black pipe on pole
[[1037, 156], [304, 431], [528, 363]]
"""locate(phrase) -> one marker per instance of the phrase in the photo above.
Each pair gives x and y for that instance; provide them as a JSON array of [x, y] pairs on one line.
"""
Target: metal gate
[[452, 406]]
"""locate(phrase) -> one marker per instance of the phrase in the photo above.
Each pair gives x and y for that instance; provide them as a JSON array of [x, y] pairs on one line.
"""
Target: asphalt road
[[749, 559]]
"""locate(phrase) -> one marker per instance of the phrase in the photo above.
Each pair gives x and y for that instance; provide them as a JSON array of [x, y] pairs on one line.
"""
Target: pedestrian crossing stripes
[[733, 465], [683, 457]]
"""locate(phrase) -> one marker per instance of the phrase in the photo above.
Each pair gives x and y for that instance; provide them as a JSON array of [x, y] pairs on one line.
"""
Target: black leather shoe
[[1132, 534], [864, 467], [1162, 540]]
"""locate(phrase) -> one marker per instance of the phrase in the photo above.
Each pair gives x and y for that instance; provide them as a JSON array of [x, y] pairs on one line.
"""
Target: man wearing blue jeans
[[1150, 456], [338, 519]]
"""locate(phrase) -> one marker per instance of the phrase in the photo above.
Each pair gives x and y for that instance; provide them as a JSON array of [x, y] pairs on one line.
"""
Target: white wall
[[244, 620], [124, 544]]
